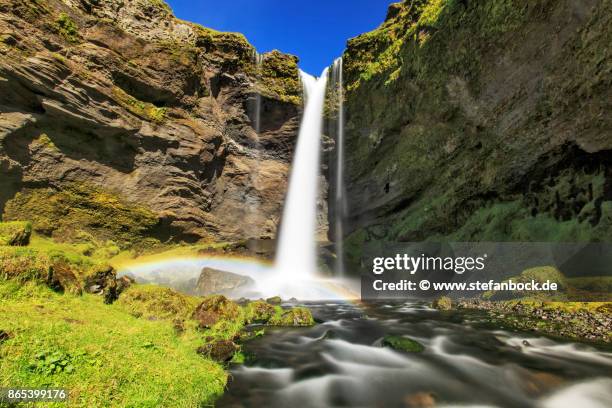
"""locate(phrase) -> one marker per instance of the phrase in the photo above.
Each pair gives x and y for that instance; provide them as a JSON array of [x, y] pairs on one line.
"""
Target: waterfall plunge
[[340, 198], [296, 255]]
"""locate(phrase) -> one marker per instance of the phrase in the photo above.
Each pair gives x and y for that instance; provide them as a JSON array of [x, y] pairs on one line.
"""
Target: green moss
[[279, 77], [259, 311], [15, 233], [77, 208], [540, 274], [156, 302], [53, 269], [297, 316], [101, 353], [143, 110], [443, 303], [402, 343], [67, 28]]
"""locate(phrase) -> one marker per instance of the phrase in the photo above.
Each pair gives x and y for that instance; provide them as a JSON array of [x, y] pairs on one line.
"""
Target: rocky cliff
[[119, 121], [481, 120]]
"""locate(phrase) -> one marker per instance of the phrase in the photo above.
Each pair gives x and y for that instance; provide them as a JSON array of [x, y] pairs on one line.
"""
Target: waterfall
[[339, 199], [296, 251], [259, 58]]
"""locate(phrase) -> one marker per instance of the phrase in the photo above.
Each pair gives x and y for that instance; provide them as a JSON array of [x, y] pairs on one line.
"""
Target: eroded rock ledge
[[122, 102]]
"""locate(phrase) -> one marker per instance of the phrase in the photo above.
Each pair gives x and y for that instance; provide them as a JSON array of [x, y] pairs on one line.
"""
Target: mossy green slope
[[101, 353], [480, 121]]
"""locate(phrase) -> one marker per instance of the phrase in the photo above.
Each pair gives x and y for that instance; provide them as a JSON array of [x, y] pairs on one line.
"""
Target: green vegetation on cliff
[[82, 213], [480, 121]]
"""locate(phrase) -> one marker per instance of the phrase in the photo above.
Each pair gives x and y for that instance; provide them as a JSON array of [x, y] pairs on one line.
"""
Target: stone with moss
[[541, 274], [15, 233], [402, 343], [221, 350], [274, 300], [221, 306], [259, 311], [297, 316], [442, 303]]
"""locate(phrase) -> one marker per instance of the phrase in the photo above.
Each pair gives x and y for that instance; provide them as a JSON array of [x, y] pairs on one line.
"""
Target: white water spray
[[296, 254]]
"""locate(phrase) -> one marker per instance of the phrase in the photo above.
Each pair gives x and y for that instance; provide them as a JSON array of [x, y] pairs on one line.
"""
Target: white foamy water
[[296, 255]]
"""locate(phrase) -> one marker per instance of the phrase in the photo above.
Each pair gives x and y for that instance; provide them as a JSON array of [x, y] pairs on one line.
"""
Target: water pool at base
[[340, 363]]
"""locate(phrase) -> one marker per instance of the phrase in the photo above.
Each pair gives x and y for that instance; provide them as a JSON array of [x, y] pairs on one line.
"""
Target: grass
[[156, 302], [103, 354]]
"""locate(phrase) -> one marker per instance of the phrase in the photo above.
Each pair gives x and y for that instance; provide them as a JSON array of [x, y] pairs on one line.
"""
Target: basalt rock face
[[482, 121], [120, 99]]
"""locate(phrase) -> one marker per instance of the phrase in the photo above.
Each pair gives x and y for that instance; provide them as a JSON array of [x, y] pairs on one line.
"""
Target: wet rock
[[217, 305], [102, 280], [259, 312], [214, 281], [298, 316], [442, 303], [274, 300], [123, 283], [62, 278], [205, 318], [402, 343], [221, 351], [4, 336], [420, 400]]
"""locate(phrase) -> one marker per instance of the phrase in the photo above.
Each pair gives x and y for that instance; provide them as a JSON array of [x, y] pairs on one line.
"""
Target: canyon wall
[[119, 121], [481, 121]]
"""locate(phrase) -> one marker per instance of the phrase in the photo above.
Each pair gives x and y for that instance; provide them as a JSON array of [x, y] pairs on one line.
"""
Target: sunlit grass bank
[[104, 354]]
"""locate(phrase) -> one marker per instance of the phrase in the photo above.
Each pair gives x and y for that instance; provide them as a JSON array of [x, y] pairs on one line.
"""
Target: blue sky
[[316, 30]]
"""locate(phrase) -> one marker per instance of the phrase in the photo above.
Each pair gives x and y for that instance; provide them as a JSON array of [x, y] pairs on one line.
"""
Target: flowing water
[[340, 197], [296, 254], [340, 362]]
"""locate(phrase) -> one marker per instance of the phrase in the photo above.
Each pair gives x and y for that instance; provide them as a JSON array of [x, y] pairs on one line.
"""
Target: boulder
[[259, 312], [442, 303], [221, 350], [205, 318], [102, 280], [298, 316], [15, 233], [4, 336], [213, 281], [402, 343], [274, 300], [216, 307]]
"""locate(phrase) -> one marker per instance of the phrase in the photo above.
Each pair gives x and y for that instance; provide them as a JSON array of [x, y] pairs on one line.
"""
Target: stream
[[340, 363]]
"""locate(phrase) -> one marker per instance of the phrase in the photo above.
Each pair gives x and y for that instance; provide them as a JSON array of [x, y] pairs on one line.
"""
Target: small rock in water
[[274, 300], [442, 303], [402, 343], [222, 350], [526, 343], [420, 400]]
